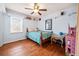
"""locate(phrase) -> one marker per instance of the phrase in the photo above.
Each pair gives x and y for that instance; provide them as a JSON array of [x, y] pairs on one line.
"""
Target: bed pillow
[[32, 29]]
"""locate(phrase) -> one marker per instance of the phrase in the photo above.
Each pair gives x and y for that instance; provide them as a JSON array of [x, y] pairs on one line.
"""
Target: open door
[[77, 33]]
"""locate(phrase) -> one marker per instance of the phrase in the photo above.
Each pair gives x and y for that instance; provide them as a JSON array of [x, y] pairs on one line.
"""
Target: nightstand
[[57, 39], [53, 38]]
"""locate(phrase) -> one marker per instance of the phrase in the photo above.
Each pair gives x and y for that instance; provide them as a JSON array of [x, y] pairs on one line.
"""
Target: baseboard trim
[[1, 45], [13, 41]]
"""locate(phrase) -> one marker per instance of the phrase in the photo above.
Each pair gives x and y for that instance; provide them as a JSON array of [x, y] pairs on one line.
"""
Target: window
[[16, 25]]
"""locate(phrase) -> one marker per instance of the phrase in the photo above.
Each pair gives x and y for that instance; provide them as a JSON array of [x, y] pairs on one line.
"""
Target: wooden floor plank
[[29, 48]]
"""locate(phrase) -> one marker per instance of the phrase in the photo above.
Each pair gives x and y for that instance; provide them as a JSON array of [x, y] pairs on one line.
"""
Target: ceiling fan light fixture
[[36, 11]]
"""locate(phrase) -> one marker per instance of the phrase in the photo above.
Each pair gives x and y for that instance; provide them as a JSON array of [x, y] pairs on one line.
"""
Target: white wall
[[2, 7], [5, 35], [10, 37], [60, 24], [1, 28], [2, 11], [30, 23]]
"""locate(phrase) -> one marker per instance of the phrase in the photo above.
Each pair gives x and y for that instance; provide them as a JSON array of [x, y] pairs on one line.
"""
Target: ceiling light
[[36, 10]]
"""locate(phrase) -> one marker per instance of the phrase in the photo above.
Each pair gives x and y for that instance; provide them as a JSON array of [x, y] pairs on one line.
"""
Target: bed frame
[[42, 41]]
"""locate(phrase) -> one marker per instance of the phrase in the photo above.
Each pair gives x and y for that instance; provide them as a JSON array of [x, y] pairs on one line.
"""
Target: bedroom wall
[[1, 28], [59, 24], [2, 7], [2, 11], [11, 37]]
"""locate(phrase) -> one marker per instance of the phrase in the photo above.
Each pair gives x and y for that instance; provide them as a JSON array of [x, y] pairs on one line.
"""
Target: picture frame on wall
[[48, 24]]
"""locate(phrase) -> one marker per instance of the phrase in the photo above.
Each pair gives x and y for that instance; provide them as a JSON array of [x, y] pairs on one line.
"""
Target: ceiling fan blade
[[39, 13], [29, 8], [42, 9], [32, 12]]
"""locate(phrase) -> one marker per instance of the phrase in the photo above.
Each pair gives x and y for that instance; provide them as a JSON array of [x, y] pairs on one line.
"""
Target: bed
[[38, 36]]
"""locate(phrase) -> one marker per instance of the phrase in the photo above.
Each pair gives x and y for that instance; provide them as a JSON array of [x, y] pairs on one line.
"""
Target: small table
[[53, 39], [56, 37]]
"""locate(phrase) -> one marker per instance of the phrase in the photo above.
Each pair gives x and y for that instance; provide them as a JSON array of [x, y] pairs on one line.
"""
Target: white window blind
[[16, 25]]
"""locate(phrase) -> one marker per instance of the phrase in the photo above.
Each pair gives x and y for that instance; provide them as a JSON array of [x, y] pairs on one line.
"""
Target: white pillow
[[32, 29]]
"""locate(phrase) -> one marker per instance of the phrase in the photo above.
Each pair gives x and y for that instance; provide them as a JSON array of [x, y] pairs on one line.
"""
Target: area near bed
[[39, 36]]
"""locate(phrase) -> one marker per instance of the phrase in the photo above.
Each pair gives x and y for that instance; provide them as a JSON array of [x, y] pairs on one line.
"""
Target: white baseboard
[[14, 40], [1, 45]]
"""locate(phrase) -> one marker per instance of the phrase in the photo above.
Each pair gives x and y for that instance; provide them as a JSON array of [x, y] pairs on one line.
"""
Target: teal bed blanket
[[35, 36]]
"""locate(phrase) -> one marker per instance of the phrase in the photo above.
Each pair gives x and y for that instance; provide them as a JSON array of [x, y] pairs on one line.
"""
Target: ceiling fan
[[36, 9]]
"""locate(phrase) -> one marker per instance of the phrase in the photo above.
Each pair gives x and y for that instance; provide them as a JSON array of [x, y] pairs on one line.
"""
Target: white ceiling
[[51, 7]]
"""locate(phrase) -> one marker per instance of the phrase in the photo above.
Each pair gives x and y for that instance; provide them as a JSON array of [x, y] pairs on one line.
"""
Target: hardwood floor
[[30, 48]]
